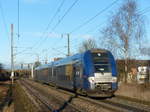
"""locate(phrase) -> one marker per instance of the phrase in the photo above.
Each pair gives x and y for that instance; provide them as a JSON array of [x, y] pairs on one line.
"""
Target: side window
[[54, 72], [50, 72], [79, 70], [69, 71]]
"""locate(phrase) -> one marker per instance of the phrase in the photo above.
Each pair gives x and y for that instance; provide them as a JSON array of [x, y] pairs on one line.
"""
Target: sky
[[44, 25]]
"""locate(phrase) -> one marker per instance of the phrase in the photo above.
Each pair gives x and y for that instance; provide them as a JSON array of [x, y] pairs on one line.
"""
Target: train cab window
[[101, 62], [102, 68]]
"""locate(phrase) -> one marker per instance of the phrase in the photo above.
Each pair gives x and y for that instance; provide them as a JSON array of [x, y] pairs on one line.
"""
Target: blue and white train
[[92, 73]]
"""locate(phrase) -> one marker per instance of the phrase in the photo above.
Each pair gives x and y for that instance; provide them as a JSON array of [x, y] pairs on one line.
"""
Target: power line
[[142, 12], [68, 10], [48, 25], [145, 10], [64, 15], [58, 10], [92, 18], [60, 51], [84, 22], [51, 20]]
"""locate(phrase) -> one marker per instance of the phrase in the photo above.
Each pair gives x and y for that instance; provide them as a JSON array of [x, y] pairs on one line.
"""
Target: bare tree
[[145, 51], [36, 64], [1, 67], [125, 28], [87, 45]]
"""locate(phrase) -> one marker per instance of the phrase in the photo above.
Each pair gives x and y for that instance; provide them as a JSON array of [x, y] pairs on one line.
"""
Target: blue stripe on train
[[114, 70], [88, 69]]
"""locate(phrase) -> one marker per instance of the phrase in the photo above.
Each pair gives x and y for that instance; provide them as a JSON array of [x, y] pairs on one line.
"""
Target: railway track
[[120, 106], [35, 95], [132, 105], [44, 102], [96, 105], [116, 104]]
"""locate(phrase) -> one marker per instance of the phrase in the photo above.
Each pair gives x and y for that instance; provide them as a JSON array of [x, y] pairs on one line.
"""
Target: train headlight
[[92, 82], [114, 79], [91, 79]]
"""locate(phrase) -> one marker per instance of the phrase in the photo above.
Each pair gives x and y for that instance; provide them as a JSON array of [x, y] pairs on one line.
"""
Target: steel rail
[[45, 103], [109, 104], [37, 96]]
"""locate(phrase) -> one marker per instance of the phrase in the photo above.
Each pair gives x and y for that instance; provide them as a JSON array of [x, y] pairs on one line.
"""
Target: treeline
[[22, 73], [4, 74], [132, 63]]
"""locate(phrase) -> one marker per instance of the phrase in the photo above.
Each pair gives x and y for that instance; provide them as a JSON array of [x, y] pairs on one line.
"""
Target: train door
[[77, 75]]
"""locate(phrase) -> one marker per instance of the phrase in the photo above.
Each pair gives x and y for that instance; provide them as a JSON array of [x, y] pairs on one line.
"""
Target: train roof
[[43, 66], [69, 59], [98, 50]]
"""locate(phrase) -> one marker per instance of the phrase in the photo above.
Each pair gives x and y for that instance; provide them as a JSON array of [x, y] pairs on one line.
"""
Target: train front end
[[102, 79]]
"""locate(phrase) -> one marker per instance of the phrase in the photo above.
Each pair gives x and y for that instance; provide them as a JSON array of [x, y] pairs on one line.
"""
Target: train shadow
[[66, 103], [102, 98]]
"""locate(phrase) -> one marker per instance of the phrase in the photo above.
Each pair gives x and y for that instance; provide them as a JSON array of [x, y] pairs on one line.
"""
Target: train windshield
[[101, 62]]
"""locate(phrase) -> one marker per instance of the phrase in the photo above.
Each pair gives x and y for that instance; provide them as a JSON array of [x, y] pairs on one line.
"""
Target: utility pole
[[46, 59], [32, 68], [68, 44], [12, 55]]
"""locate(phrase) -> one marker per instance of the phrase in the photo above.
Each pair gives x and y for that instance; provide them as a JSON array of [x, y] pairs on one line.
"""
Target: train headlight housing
[[114, 79], [91, 79]]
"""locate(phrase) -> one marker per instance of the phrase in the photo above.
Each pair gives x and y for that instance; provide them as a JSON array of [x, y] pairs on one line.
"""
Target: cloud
[[87, 36], [53, 35], [41, 34], [83, 36], [80, 37]]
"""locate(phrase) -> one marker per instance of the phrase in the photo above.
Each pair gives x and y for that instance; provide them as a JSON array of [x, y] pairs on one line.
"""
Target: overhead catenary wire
[[67, 11], [92, 18], [145, 10], [46, 29], [89, 31], [57, 49], [58, 10], [142, 12], [50, 22]]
